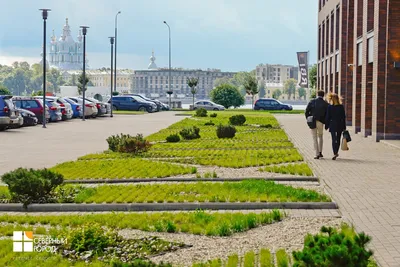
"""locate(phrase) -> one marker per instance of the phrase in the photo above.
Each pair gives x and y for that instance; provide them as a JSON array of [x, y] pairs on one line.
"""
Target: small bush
[[115, 93], [29, 186], [213, 115], [227, 131], [266, 126], [333, 248], [201, 112], [209, 123], [190, 133], [173, 138], [126, 143], [237, 120]]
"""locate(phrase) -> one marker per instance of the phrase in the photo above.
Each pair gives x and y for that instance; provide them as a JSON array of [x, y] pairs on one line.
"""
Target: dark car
[[29, 117], [8, 115], [132, 103], [33, 105], [158, 103], [270, 104]]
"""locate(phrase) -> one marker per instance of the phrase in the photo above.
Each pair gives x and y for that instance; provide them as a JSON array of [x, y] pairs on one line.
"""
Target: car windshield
[[139, 99]]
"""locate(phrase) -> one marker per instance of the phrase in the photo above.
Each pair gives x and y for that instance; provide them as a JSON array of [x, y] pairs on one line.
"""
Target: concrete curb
[[144, 180], [70, 207]]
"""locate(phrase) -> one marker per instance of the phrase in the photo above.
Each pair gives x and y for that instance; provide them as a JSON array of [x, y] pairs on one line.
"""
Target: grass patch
[[198, 222], [119, 168], [295, 169], [128, 112]]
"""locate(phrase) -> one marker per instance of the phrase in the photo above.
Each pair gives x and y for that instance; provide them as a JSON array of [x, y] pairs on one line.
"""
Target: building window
[[337, 62], [371, 50], [359, 54], [337, 27]]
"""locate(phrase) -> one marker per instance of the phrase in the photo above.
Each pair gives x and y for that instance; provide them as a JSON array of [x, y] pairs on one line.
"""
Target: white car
[[90, 107]]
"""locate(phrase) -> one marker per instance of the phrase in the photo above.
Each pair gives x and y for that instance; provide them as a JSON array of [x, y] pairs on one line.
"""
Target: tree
[[227, 95], [261, 89], [37, 93], [4, 90], [223, 80], [55, 78], [313, 76], [81, 83], [290, 87], [276, 94], [251, 86], [302, 93], [192, 83]]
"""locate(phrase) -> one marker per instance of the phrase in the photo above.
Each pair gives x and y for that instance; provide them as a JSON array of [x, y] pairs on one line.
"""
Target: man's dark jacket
[[317, 108]]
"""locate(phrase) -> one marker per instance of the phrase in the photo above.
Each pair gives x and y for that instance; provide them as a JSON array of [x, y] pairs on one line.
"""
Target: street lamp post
[[115, 57], [84, 31], [44, 15], [112, 53], [170, 91]]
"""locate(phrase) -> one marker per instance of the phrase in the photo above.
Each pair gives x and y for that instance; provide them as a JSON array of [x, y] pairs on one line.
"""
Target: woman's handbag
[[346, 135], [344, 146]]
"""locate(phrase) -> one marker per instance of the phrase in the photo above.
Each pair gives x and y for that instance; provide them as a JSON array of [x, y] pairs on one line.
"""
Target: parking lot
[[35, 147]]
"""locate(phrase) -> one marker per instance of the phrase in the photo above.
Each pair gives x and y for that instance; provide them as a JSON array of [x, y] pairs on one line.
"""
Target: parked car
[[55, 110], [165, 106], [8, 115], [90, 107], [105, 108], [33, 105], [271, 104], [157, 102], [206, 104], [29, 118], [76, 108], [133, 103], [66, 109]]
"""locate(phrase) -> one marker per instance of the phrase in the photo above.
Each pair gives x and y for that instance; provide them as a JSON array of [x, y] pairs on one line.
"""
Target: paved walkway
[[35, 147], [365, 182]]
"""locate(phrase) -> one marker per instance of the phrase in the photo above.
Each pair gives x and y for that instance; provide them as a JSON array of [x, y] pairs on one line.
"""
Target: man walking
[[317, 108]]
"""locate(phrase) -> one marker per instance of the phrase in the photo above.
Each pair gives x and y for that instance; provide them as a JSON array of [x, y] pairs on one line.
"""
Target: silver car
[[105, 108], [90, 107], [66, 109], [208, 105]]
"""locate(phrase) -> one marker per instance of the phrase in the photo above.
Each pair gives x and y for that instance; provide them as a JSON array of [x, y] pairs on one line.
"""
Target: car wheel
[[216, 109], [3, 128], [114, 107], [142, 109], [149, 110]]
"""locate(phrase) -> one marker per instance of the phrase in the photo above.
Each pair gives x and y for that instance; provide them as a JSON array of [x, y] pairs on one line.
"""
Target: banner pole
[[308, 76]]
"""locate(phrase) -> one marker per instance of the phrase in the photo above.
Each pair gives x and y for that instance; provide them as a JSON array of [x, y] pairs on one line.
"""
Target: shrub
[[213, 115], [226, 131], [126, 143], [115, 93], [266, 126], [209, 123], [173, 138], [227, 95], [28, 186], [190, 133], [237, 119], [201, 112], [333, 248]]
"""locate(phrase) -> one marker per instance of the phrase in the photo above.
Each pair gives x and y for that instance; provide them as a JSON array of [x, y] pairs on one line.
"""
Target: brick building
[[359, 58]]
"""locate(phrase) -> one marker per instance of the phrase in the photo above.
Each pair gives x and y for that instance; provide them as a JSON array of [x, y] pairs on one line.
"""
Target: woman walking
[[335, 121]]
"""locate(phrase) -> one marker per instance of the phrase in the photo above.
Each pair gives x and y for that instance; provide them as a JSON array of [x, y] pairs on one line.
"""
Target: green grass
[[282, 258], [295, 169], [233, 261], [198, 222], [119, 168], [266, 259], [128, 112], [253, 191], [249, 259]]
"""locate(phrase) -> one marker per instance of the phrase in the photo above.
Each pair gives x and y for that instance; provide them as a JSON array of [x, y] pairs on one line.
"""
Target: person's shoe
[[316, 157], [334, 157], [320, 155]]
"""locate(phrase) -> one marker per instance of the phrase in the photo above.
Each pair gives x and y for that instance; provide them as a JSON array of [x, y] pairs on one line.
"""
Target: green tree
[[227, 95], [251, 86], [81, 83], [290, 87], [192, 83], [261, 89], [302, 92], [223, 80], [313, 76], [55, 78], [37, 93], [276, 94], [4, 90]]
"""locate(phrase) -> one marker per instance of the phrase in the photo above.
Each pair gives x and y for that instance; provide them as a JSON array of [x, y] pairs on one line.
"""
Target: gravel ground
[[288, 234]]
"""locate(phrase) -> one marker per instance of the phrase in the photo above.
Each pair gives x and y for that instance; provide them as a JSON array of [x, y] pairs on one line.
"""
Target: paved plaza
[[35, 147], [365, 182]]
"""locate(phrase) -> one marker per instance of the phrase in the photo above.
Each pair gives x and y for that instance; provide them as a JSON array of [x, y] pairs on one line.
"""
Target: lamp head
[[84, 29], [45, 12], [119, 12], [111, 40], [165, 22]]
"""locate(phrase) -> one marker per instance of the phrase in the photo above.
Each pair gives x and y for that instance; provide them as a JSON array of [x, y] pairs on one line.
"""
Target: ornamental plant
[[126, 143], [173, 138], [201, 112], [213, 115], [334, 248], [190, 133], [209, 123], [237, 119], [226, 131], [28, 185]]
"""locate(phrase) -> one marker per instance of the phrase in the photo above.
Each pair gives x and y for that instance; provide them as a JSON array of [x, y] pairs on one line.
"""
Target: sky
[[231, 35]]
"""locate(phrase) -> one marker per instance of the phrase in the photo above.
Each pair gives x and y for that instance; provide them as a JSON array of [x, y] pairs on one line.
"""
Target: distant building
[[153, 82], [65, 53], [276, 73]]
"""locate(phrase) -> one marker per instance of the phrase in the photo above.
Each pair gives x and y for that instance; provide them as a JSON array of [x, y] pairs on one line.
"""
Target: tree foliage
[[251, 86], [290, 87], [192, 83], [276, 94], [302, 92], [4, 90], [81, 83], [261, 89], [313, 76], [227, 95]]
